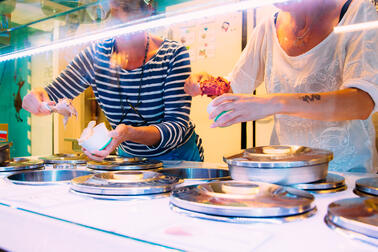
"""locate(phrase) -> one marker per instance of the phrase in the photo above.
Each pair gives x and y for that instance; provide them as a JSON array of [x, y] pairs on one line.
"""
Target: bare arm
[[347, 104], [148, 135]]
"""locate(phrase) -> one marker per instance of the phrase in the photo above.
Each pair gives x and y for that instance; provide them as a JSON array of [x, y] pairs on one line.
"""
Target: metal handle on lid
[[276, 151], [283, 150]]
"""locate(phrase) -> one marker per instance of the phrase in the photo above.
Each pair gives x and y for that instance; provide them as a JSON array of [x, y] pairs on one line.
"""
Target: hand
[[118, 135], [32, 102], [242, 108], [192, 86]]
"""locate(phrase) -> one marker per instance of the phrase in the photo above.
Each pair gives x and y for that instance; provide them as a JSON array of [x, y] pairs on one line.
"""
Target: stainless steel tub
[[284, 165], [283, 176], [196, 173], [46, 177]]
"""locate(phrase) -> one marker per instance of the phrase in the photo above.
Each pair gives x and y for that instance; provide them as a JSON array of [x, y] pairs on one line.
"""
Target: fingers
[[45, 108], [27, 104], [192, 87], [108, 149], [238, 119], [223, 103], [113, 134], [32, 102], [225, 97], [111, 146], [226, 106], [227, 119], [227, 102], [99, 155], [94, 156]]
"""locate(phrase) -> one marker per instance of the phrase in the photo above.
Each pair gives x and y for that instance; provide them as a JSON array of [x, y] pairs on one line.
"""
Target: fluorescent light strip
[[356, 27], [218, 10]]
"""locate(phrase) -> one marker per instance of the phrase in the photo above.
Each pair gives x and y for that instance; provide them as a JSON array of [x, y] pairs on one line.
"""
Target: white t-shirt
[[339, 61]]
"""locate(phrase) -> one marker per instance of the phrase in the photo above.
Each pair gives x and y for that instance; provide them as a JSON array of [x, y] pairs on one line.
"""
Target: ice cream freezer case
[[55, 217]]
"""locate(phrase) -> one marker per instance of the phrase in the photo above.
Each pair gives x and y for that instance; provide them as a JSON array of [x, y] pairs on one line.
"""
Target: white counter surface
[[51, 218]]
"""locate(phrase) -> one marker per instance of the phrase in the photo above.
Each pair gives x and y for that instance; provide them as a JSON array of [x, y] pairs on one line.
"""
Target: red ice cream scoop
[[215, 87]]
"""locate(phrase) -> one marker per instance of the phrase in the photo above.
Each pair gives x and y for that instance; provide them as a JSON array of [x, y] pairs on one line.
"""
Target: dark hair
[[144, 5]]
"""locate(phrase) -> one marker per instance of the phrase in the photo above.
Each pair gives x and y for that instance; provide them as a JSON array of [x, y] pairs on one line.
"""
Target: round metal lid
[[368, 185], [243, 199], [122, 197], [19, 164], [46, 177], [279, 156], [362, 194], [125, 183], [196, 173], [332, 181], [244, 220], [358, 215], [116, 163], [325, 191], [60, 158]]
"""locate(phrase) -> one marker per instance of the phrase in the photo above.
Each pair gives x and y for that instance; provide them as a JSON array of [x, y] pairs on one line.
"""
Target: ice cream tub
[[95, 137]]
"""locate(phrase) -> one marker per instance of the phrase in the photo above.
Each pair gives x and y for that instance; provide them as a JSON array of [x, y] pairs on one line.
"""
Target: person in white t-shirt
[[322, 86]]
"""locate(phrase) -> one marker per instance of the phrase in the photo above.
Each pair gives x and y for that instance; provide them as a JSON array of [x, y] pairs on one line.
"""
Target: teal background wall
[[11, 73], [162, 4]]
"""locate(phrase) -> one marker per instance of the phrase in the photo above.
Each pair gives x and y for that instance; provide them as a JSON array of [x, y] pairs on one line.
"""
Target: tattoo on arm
[[310, 98]]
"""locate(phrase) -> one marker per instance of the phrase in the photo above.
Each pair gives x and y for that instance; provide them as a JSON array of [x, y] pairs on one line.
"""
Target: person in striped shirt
[[138, 81]]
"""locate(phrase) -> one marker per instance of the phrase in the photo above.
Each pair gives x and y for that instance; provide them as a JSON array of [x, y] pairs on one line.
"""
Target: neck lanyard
[[132, 107]]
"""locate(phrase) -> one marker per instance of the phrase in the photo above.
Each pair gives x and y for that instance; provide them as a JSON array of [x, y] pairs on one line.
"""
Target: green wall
[[11, 73], [162, 4]]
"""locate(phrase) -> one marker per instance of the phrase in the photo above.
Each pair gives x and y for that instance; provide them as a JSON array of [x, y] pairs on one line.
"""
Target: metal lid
[[122, 197], [61, 158], [355, 214], [243, 199], [196, 173], [116, 163], [46, 177], [243, 220], [279, 156], [332, 181], [368, 185], [18, 164], [125, 183]]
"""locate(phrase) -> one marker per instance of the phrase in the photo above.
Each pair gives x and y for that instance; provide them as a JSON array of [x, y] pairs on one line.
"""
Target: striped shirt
[[159, 97]]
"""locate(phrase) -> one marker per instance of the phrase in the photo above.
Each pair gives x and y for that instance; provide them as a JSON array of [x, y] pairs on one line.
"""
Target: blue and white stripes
[[163, 102]]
